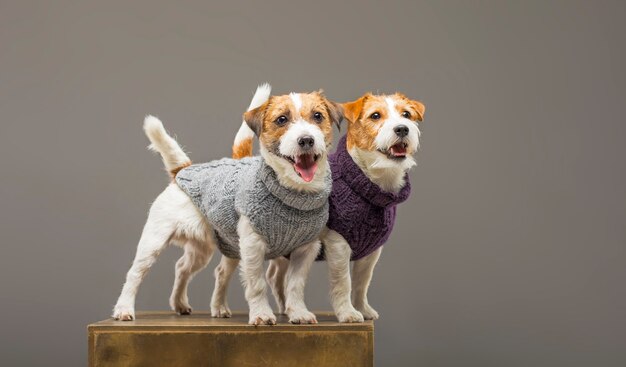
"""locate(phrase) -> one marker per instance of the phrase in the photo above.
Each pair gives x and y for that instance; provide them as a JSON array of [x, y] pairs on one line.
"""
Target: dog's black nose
[[306, 142], [401, 130]]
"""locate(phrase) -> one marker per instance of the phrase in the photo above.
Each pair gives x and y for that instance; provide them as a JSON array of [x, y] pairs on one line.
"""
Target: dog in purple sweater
[[369, 171]]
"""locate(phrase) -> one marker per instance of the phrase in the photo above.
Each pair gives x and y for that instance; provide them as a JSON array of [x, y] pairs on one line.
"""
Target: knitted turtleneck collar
[[290, 197], [351, 173]]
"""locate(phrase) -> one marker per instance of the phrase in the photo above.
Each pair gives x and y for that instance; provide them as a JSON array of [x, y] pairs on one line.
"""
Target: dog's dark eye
[[375, 116], [318, 117], [406, 114], [281, 120]]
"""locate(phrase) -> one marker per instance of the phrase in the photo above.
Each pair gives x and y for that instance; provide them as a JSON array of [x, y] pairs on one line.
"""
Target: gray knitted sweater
[[225, 189]]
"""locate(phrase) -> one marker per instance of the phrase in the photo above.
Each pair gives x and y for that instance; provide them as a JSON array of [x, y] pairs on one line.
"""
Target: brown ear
[[419, 107], [254, 118], [335, 111], [352, 110]]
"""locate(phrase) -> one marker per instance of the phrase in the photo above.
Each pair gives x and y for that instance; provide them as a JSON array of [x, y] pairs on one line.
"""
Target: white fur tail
[[242, 147], [172, 154]]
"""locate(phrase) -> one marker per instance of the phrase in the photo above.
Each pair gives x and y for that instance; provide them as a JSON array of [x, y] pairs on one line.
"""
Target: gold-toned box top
[[168, 321]]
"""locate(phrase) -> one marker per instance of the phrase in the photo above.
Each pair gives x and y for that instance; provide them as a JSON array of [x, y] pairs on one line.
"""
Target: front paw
[[183, 310], [124, 313], [350, 315], [262, 317], [181, 307], [303, 316], [368, 312], [221, 311]]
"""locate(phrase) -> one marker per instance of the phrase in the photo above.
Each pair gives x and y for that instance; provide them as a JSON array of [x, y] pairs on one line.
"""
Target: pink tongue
[[305, 166], [398, 150]]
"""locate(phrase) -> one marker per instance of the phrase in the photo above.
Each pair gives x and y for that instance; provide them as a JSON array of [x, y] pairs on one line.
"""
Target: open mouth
[[396, 151], [305, 165]]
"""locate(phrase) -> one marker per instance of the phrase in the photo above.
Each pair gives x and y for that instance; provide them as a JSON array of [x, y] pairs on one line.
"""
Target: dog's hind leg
[[275, 276], [196, 257], [155, 237], [223, 273], [362, 272]]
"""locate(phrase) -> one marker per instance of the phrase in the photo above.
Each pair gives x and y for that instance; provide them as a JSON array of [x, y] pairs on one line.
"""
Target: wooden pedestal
[[166, 339]]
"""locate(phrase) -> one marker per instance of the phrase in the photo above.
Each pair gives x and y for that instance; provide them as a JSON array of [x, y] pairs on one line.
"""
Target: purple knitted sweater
[[360, 210]]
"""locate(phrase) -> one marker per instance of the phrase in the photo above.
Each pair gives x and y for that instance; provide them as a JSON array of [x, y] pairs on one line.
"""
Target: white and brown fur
[[369, 141], [173, 218]]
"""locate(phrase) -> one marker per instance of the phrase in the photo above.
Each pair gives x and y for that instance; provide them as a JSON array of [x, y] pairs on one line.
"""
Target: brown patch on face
[[243, 149], [363, 125], [271, 131], [415, 108], [266, 120]]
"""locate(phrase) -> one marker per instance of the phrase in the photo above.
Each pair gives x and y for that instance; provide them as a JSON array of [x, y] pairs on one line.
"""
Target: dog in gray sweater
[[251, 210]]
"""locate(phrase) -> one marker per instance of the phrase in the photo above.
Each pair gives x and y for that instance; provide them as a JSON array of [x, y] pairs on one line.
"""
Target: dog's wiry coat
[[175, 219]]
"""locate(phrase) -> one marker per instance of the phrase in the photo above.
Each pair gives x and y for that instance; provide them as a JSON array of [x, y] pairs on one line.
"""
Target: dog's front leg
[[361, 278], [300, 263], [337, 251], [253, 248]]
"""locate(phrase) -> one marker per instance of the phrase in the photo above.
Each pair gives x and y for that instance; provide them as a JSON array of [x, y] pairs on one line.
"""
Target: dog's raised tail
[[174, 158], [242, 147]]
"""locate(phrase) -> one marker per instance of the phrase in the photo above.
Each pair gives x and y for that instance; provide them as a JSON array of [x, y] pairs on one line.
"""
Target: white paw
[[181, 307], [302, 316], [183, 310], [221, 311], [350, 315], [262, 317], [124, 313], [368, 312]]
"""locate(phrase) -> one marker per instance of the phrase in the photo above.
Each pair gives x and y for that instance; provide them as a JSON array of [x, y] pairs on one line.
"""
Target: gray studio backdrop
[[510, 252]]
